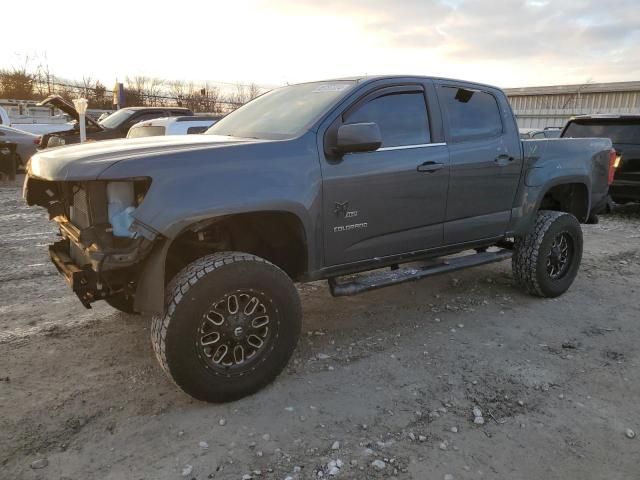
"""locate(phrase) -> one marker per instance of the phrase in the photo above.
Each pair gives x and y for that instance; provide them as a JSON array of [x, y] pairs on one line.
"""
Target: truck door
[[392, 200], [485, 162]]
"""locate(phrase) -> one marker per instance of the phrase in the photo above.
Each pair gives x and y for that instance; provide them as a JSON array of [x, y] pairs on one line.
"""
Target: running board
[[373, 281]]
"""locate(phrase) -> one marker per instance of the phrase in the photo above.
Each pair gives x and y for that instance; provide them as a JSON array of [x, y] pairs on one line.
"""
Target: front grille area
[[79, 211]]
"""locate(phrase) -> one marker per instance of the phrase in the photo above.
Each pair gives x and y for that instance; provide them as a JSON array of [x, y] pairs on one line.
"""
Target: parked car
[[536, 133], [172, 126], [208, 233], [624, 132], [33, 127], [26, 143], [116, 125]]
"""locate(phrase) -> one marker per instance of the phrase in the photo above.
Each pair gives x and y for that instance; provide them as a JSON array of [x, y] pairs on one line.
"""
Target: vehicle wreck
[[208, 233]]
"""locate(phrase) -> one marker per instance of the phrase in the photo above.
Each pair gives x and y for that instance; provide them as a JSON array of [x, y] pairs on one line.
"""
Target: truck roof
[[607, 116], [184, 109], [372, 78]]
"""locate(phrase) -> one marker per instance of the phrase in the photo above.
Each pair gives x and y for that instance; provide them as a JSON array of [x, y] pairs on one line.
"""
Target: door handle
[[430, 167], [503, 160]]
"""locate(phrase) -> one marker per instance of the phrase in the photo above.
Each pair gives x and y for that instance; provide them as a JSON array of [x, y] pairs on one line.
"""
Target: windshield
[[116, 118], [619, 131], [282, 113]]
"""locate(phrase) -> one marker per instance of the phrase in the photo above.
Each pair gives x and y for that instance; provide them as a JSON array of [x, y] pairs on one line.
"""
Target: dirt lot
[[385, 382]]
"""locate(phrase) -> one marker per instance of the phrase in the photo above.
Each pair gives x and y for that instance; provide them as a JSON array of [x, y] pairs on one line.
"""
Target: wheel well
[[571, 198], [275, 236]]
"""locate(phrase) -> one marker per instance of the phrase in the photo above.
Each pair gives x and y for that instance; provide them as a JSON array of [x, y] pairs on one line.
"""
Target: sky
[[508, 43]]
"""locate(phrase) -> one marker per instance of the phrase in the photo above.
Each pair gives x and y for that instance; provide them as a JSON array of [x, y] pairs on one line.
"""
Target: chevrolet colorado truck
[[342, 180]]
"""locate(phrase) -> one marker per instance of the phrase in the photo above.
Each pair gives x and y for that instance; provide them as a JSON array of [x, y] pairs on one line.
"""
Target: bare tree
[[154, 90], [44, 79], [25, 83], [253, 91], [212, 98], [177, 91], [17, 82]]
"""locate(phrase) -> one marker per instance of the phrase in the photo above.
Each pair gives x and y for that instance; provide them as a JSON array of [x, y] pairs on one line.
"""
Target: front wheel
[[546, 261], [231, 323]]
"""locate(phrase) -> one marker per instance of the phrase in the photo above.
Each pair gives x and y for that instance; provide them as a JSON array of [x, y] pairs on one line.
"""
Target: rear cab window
[[146, 131], [401, 117], [620, 131], [471, 114]]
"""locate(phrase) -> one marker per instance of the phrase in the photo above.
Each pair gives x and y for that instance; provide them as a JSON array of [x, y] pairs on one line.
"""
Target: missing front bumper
[[83, 280]]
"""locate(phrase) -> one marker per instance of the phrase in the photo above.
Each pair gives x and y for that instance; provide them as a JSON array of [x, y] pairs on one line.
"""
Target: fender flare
[[149, 296], [525, 214]]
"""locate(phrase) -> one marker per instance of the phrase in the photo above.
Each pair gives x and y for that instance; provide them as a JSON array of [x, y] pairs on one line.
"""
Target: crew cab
[[324, 180], [624, 132], [113, 126]]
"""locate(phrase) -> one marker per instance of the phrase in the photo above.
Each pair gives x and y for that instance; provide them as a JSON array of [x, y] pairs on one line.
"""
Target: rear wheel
[[546, 261], [231, 324]]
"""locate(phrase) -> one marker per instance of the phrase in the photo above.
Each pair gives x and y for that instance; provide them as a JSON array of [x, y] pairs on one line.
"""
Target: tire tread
[[178, 287], [527, 250]]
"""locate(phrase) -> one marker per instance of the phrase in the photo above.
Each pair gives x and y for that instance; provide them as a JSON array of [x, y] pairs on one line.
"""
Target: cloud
[[586, 36]]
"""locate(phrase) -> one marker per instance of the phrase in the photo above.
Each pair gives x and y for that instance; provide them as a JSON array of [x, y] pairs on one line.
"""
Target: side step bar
[[373, 281]]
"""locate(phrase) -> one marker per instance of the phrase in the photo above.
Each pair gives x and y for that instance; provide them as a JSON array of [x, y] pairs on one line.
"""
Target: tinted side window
[[402, 118], [191, 130], [471, 114]]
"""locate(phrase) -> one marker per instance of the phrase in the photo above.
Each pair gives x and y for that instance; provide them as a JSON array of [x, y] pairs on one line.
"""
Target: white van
[[172, 126]]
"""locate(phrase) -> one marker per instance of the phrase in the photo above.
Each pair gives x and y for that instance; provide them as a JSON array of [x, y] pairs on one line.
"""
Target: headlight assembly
[[123, 198], [55, 142]]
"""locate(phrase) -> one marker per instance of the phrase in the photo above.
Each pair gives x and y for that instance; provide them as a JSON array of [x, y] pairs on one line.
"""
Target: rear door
[[485, 162], [391, 200]]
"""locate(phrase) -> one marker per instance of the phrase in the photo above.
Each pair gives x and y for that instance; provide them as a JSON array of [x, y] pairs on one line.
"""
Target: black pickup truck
[[624, 133], [324, 180]]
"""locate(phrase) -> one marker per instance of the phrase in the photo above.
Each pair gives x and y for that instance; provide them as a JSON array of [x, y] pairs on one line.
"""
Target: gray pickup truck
[[326, 180]]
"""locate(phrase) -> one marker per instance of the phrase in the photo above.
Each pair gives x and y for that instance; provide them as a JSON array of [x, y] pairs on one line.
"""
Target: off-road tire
[[122, 302], [530, 254], [188, 299]]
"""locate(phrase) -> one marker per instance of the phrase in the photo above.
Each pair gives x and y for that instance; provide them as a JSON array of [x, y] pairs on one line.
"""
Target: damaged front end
[[102, 247]]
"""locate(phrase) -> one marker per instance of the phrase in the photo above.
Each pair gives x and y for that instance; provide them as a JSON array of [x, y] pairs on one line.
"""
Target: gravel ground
[[381, 386]]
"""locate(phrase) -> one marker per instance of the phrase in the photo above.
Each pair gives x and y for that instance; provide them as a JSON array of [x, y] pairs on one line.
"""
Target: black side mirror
[[358, 137]]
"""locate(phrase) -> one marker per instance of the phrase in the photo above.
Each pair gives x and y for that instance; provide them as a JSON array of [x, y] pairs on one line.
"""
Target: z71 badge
[[341, 209]]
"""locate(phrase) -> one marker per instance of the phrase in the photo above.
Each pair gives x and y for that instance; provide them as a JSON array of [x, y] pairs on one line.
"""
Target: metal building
[[539, 107]]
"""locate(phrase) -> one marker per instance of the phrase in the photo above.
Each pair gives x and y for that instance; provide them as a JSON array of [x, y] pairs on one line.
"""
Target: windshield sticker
[[331, 87]]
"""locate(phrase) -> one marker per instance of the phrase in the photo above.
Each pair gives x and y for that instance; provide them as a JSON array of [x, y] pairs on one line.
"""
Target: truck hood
[[61, 104], [88, 160]]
